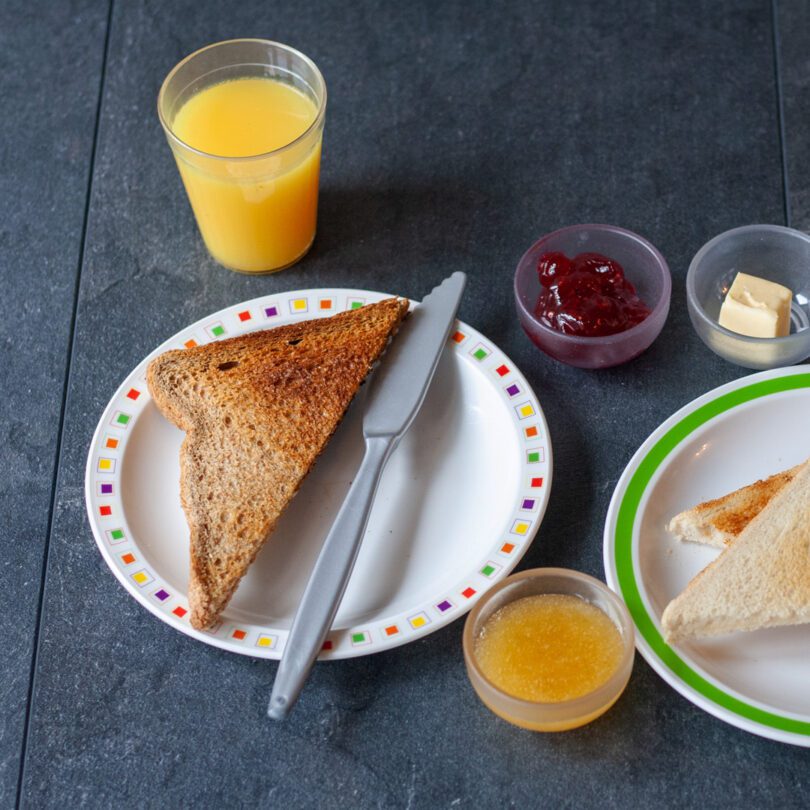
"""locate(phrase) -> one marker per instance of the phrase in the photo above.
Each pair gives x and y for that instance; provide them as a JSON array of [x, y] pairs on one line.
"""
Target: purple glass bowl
[[643, 265]]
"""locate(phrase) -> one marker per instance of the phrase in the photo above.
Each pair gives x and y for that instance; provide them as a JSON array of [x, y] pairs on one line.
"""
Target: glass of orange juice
[[244, 119]]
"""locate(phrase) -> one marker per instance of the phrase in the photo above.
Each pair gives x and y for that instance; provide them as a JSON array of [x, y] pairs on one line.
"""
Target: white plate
[[458, 505], [730, 437]]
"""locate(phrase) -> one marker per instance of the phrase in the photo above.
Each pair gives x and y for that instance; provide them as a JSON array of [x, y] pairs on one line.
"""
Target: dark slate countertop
[[456, 134]]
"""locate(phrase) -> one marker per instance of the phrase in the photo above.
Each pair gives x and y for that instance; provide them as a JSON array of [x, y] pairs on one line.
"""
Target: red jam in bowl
[[587, 296]]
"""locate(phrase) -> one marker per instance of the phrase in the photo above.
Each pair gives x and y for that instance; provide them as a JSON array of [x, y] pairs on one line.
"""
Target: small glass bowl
[[565, 714], [644, 267], [770, 252]]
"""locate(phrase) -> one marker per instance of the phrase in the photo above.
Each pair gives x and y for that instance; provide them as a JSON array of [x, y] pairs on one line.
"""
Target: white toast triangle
[[761, 580]]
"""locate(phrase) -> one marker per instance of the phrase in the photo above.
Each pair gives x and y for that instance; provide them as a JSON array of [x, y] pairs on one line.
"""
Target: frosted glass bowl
[[565, 714], [769, 251], [644, 267]]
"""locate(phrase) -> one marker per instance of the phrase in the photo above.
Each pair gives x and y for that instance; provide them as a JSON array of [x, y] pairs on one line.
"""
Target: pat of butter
[[756, 307]]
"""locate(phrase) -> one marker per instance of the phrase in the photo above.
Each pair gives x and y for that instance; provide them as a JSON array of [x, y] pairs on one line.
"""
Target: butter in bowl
[[748, 293], [756, 307]]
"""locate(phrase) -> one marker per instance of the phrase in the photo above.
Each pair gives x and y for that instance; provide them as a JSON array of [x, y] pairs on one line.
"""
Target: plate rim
[[619, 552], [462, 335]]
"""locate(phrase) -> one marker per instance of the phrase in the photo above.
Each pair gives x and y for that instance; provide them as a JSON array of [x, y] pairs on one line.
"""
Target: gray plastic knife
[[397, 391]]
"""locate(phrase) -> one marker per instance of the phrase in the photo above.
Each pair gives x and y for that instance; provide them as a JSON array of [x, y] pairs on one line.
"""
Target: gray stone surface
[[46, 134], [793, 23], [456, 134]]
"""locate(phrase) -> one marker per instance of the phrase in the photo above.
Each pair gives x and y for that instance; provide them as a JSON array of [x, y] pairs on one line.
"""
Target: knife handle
[[328, 580]]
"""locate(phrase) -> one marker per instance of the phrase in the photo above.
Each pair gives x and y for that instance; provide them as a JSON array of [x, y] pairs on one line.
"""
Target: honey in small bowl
[[549, 649]]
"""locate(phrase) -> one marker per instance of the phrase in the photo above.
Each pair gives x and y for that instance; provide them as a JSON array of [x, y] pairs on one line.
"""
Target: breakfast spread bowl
[[559, 715], [644, 267], [771, 252]]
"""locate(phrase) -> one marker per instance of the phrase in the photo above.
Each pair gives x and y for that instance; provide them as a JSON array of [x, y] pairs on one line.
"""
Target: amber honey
[[548, 648]]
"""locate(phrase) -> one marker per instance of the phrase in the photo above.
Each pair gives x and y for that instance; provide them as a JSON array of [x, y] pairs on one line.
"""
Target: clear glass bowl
[[645, 268], [768, 251], [565, 714]]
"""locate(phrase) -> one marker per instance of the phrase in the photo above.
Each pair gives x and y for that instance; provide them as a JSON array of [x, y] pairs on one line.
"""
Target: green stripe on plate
[[624, 551]]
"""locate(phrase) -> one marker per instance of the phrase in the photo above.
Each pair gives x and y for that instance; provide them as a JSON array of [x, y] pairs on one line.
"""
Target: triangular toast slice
[[257, 411], [761, 580], [718, 522]]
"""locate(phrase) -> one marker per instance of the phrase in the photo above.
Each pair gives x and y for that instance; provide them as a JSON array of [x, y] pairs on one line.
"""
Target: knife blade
[[397, 391]]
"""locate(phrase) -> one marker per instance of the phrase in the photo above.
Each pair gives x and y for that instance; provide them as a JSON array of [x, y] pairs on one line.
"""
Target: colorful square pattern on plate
[[480, 352], [419, 620], [108, 450]]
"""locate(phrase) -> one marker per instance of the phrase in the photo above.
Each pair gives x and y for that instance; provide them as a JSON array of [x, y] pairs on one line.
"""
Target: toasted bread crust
[[718, 522], [257, 410], [761, 580]]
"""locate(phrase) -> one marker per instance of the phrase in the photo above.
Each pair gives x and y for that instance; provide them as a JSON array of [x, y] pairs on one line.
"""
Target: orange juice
[[548, 648], [254, 191]]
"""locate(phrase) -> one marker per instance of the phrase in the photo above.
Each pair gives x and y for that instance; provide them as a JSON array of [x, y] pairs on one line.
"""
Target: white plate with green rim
[[732, 436], [458, 505]]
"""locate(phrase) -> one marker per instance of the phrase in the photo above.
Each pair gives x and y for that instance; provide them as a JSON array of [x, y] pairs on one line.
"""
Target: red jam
[[586, 296]]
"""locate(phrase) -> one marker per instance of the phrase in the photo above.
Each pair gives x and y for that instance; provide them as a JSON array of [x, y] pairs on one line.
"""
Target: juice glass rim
[[242, 158]]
